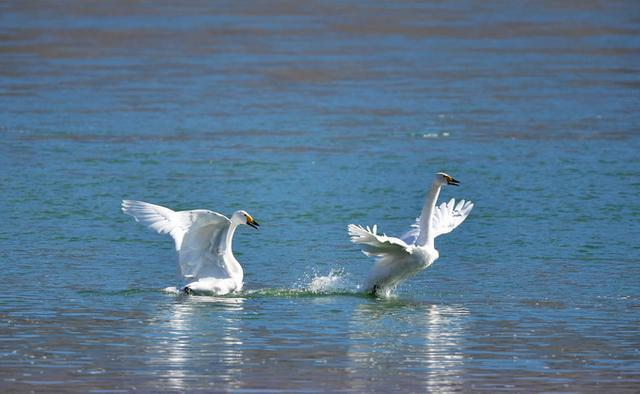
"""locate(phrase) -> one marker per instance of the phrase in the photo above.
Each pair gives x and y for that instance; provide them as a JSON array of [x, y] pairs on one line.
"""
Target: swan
[[400, 258], [203, 241]]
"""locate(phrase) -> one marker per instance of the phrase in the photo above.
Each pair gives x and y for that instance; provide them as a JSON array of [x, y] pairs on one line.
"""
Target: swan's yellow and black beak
[[252, 223], [451, 181]]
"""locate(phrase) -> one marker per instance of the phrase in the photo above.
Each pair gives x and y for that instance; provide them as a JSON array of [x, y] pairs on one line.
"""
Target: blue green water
[[312, 116]]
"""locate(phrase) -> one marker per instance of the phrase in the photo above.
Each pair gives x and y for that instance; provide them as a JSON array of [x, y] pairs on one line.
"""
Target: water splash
[[339, 281], [336, 281], [314, 284]]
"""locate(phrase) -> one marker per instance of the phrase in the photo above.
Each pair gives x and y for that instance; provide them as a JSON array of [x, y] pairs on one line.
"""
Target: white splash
[[336, 280], [171, 290]]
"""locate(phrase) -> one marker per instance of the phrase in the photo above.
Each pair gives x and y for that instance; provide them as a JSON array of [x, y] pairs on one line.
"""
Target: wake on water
[[336, 282], [313, 284]]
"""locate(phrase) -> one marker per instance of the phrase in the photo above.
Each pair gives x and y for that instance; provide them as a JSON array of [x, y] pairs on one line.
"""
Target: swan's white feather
[[446, 217], [166, 221], [202, 254], [450, 215], [374, 244]]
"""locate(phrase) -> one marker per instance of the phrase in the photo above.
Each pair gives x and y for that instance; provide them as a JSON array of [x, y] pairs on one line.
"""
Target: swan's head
[[445, 179], [243, 217]]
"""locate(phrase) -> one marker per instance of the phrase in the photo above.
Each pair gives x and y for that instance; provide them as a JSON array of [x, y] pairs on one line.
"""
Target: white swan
[[400, 258], [203, 241]]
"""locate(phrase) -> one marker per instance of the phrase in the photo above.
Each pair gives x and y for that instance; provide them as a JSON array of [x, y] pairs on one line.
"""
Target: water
[[312, 116]]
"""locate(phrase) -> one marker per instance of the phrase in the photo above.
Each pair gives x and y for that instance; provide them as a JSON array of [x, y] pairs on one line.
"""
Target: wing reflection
[[405, 337]]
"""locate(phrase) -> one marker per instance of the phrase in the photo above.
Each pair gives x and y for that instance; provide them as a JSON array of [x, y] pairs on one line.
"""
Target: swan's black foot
[[374, 290], [187, 290]]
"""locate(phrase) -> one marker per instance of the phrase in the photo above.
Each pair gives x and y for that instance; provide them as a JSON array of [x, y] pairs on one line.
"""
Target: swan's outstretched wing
[[200, 236], [166, 221], [446, 217], [450, 215], [203, 252], [160, 219], [377, 245]]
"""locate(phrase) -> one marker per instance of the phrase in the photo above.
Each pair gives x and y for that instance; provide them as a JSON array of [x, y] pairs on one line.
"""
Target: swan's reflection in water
[[204, 345], [218, 344], [407, 337]]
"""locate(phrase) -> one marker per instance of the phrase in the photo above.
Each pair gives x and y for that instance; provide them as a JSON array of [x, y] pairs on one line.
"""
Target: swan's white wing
[[446, 217], [449, 215], [160, 219], [203, 252], [374, 244], [166, 221]]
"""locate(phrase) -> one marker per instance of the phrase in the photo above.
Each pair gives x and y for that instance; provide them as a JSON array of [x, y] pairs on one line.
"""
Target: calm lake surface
[[313, 115]]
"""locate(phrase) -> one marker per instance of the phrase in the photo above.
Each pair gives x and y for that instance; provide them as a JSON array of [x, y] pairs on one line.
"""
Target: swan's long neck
[[233, 267], [425, 238], [229, 240]]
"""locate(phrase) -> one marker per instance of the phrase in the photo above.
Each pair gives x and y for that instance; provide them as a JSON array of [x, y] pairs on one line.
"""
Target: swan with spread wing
[[203, 241], [400, 258]]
